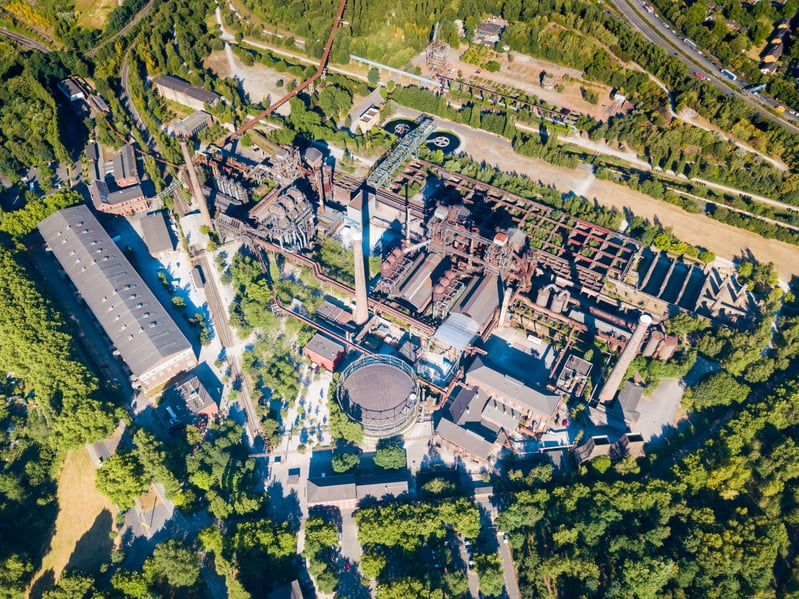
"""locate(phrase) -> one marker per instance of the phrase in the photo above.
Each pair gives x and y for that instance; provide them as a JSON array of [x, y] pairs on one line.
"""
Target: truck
[[780, 109], [757, 88], [689, 43], [729, 75]]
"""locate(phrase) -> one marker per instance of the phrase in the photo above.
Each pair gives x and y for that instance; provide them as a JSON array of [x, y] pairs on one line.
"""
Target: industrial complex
[[462, 264]]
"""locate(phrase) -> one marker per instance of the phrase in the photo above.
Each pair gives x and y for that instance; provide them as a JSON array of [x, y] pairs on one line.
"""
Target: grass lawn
[[94, 13], [85, 518]]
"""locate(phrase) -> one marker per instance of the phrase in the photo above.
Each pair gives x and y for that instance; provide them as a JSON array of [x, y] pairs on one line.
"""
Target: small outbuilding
[[324, 352]]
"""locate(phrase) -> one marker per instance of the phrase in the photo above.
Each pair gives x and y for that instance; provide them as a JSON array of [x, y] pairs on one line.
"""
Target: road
[[24, 40], [138, 17], [656, 31], [127, 101]]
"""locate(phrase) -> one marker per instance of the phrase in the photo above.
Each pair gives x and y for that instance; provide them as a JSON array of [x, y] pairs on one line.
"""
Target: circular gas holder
[[445, 141], [400, 127]]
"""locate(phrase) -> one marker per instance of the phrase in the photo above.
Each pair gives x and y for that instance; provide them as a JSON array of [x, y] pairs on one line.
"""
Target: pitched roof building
[[156, 234], [122, 202], [186, 401], [538, 407], [323, 351], [140, 329], [124, 167], [177, 90]]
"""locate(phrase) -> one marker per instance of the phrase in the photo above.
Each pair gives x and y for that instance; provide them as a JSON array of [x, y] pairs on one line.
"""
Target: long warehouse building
[[139, 327]]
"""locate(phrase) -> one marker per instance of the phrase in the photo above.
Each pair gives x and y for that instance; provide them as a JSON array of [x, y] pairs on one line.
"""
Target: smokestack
[[503, 311], [407, 221], [195, 187], [627, 356], [361, 302]]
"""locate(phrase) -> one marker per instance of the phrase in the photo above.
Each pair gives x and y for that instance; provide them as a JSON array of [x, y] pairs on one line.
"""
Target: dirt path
[[723, 240], [85, 517]]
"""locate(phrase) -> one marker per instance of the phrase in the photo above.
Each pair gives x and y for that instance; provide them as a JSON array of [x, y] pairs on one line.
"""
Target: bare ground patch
[[93, 14], [258, 80]]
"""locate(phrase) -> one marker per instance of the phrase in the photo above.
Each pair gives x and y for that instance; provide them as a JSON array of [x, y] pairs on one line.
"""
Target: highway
[[658, 32]]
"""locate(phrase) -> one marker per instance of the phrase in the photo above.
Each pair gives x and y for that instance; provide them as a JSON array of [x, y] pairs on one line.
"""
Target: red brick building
[[324, 352]]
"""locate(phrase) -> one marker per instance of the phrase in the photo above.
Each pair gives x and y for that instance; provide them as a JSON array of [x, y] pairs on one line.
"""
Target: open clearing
[[81, 538], [94, 13], [258, 80]]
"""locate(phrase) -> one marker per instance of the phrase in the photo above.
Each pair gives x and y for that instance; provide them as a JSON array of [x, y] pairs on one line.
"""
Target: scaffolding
[[407, 147], [442, 307]]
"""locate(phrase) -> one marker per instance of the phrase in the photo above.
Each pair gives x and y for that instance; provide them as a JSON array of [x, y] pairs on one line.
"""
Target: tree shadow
[[284, 508], [329, 513], [94, 547], [45, 582]]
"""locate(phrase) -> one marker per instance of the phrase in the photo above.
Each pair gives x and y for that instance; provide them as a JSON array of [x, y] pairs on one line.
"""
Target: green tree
[[131, 584], [439, 487], [175, 562], [390, 457], [373, 76], [489, 571], [345, 461], [373, 563], [719, 389], [71, 585], [121, 478]]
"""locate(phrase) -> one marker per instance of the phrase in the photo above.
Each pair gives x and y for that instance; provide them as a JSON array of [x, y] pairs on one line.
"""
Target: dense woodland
[[52, 402]]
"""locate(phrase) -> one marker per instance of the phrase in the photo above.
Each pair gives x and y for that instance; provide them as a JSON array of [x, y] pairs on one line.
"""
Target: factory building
[[536, 410], [179, 91], [139, 328], [286, 218]]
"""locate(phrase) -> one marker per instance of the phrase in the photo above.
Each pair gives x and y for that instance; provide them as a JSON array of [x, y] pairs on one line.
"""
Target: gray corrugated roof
[[417, 288], [380, 485], [466, 406], [137, 324], [458, 331], [133, 192], [195, 119], [503, 386], [501, 415], [463, 438], [480, 300], [156, 233], [331, 489], [179, 85], [322, 346], [629, 397], [124, 164]]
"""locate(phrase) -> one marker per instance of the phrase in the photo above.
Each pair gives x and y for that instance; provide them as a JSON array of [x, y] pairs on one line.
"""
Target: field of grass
[[85, 517], [93, 13]]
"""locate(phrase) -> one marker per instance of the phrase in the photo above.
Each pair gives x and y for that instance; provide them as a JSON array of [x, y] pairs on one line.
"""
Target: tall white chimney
[[361, 301]]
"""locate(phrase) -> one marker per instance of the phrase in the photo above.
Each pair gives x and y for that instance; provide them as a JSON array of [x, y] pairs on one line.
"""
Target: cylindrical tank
[[652, 344], [542, 298], [397, 253], [450, 275], [438, 293], [561, 301], [386, 268]]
